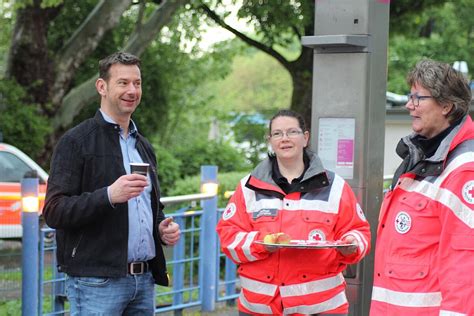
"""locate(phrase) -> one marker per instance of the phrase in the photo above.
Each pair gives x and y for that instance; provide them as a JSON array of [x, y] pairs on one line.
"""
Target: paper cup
[[139, 168]]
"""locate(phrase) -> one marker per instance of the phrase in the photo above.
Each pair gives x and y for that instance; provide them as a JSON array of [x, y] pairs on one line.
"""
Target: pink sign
[[384, 1], [345, 152]]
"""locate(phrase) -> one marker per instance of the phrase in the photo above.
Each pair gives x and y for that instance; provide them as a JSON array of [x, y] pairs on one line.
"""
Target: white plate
[[307, 244]]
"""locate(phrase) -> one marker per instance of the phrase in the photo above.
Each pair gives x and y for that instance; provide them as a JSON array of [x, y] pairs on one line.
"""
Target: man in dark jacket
[[109, 222]]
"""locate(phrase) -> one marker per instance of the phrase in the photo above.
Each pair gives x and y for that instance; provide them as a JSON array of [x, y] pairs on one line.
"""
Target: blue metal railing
[[186, 263]]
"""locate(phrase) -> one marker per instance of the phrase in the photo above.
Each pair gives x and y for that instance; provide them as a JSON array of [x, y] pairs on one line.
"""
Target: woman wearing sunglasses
[[424, 256], [290, 196]]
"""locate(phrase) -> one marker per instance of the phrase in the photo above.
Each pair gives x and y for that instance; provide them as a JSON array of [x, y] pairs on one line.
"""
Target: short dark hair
[[116, 58], [289, 113], [445, 84]]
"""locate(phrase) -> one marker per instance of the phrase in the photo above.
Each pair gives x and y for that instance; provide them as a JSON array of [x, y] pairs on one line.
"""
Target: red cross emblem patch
[[468, 192], [229, 211], [316, 235]]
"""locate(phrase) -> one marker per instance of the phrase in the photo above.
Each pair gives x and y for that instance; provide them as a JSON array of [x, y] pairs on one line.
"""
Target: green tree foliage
[[168, 169], [227, 182], [20, 123], [444, 32], [277, 24], [55, 46], [208, 152], [257, 83], [255, 89], [250, 130]]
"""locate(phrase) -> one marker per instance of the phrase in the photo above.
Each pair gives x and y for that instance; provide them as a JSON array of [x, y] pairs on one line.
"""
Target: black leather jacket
[[92, 236]]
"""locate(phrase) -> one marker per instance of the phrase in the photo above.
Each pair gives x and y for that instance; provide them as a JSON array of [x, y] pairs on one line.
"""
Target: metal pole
[[30, 253], [230, 275], [178, 266], [348, 110], [208, 275]]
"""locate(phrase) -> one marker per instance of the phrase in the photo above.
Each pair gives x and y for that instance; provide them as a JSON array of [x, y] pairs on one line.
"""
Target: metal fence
[[10, 270], [186, 264]]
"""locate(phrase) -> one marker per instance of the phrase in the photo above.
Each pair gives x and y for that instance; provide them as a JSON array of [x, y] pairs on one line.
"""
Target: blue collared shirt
[[141, 246]]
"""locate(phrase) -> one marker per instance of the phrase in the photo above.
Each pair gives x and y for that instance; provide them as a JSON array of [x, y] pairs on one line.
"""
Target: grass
[[13, 307]]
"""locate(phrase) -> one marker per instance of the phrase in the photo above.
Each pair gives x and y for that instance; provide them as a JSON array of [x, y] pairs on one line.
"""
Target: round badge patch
[[317, 235], [402, 222], [229, 211], [360, 212], [468, 192]]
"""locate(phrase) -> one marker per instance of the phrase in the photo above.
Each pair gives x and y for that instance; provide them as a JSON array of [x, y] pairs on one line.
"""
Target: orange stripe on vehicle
[[14, 197]]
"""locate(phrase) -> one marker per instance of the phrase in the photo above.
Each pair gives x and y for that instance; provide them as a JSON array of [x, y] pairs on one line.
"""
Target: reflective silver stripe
[[238, 238], [269, 204], [331, 205], [311, 287], [246, 247], [362, 242], [442, 195], [449, 313], [453, 165], [332, 303], [258, 287], [254, 307], [249, 195], [431, 299]]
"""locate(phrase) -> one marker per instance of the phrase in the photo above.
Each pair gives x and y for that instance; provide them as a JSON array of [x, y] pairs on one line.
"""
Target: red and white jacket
[[424, 258], [292, 281]]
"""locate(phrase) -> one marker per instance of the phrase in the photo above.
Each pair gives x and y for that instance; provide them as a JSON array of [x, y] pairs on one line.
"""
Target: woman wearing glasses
[[290, 195], [424, 257]]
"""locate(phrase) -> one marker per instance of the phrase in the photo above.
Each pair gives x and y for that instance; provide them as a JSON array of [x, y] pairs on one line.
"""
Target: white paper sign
[[336, 145]]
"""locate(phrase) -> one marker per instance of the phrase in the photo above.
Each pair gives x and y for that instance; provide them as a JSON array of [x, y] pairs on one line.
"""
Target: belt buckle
[[137, 264]]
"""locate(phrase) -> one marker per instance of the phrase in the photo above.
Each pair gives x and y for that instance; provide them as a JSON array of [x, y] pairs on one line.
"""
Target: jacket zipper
[[74, 250]]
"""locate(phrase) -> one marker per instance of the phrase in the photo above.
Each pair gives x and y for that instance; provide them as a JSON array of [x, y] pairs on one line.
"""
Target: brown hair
[[288, 113], [116, 58], [445, 84]]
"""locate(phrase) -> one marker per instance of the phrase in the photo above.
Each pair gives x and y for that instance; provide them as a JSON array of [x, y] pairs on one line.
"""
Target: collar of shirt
[[281, 181], [132, 128]]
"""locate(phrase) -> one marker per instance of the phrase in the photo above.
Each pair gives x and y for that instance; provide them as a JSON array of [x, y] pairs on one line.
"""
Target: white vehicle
[[13, 165]]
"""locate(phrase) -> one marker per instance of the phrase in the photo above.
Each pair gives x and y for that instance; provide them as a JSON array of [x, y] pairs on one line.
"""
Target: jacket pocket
[[418, 206], [420, 214], [263, 271], [406, 271], [318, 225], [92, 281], [318, 217], [462, 242]]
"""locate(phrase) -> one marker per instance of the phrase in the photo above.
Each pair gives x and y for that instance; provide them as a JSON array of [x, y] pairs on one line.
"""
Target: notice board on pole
[[336, 145]]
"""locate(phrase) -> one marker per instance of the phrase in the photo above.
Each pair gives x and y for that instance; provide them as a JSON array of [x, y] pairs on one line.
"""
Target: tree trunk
[[28, 60], [301, 71]]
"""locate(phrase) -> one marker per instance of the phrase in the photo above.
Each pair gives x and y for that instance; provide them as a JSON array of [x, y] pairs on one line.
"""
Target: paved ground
[[221, 310]]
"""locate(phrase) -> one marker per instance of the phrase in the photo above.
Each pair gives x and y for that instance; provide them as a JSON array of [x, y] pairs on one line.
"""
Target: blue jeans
[[130, 295]]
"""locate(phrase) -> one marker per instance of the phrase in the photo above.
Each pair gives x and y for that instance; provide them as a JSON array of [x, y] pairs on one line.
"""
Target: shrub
[[21, 123], [190, 185], [168, 168], [208, 152]]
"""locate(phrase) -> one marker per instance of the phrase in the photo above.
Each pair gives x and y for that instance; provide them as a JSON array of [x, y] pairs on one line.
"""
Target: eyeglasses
[[415, 98], [291, 133]]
